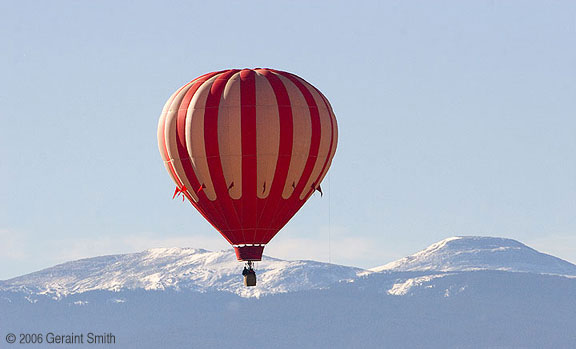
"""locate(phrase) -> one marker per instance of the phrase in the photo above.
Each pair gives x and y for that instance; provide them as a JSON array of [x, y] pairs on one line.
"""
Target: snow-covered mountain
[[178, 269], [200, 270], [472, 292], [465, 253]]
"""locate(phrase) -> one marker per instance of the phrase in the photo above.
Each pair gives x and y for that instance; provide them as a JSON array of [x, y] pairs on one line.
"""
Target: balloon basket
[[249, 274], [250, 280]]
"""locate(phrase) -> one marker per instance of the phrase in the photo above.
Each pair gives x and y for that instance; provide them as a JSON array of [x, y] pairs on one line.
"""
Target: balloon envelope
[[247, 148]]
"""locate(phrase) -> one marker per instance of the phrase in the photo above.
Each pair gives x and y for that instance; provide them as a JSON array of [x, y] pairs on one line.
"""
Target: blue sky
[[456, 118]]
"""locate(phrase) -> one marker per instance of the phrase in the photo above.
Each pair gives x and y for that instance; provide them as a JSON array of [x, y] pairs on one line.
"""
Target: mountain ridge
[[176, 268], [200, 270], [467, 253]]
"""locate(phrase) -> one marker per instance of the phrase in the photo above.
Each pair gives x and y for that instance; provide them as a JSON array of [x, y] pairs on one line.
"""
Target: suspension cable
[[329, 223]]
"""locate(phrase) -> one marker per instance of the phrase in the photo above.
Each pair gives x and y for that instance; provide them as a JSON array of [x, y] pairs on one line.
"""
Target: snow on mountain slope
[[465, 253], [200, 270], [177, 269]]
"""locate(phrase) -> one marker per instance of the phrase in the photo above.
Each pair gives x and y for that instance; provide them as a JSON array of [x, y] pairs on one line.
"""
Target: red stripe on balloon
[[249, 167], [274, 200], [223, 200], [165, 146], [332, 138], [171, 167], [207, 210], [163, 127], [294, 203], [183, 110], [316, 134], [334, 130]]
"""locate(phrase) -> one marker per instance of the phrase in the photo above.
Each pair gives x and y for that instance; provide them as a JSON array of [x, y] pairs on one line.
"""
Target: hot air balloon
[[247, 148]]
